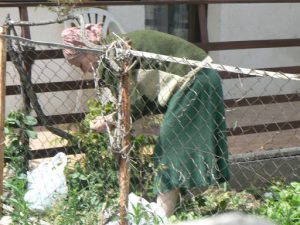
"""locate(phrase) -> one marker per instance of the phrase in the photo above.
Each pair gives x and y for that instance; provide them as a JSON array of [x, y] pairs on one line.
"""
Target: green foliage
[[142, 166], [216, 200], [18, 129], [101, 160], [142, 215], [93, 183], [97, 156], [90, 181], [85, 204], [282, 203], [15, 188]]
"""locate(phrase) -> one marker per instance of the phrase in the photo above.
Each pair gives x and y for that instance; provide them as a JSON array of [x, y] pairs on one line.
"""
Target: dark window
[[172, 19]]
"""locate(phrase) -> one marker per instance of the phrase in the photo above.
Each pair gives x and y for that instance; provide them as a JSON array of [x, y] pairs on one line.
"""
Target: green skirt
[[192, 147]]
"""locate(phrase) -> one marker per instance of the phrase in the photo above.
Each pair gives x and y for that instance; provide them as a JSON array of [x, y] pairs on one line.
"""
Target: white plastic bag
[[47, 184], [151, 209]]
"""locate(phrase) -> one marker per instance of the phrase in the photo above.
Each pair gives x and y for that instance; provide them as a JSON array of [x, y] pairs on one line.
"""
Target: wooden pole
[[2, 106], [124, 160], [202, 14]]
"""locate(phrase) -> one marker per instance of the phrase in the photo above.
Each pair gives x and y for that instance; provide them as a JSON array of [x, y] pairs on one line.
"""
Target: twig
[[41, 23], [119, 128], [98, 93]]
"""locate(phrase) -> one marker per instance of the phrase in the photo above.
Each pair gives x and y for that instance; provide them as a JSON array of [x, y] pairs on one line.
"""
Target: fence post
[[25, 32], [124, 161], [2, 106]]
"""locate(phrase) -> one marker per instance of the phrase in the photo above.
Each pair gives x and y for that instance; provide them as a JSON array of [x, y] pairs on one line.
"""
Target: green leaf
[[30, 120], [82, 177], [6, 130], [223, 204], [12, 121], [32, 134]]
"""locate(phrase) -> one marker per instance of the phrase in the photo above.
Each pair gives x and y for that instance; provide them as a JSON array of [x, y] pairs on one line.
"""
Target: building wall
[[226, 22], [130, 18], [237, 22], [44, 70]]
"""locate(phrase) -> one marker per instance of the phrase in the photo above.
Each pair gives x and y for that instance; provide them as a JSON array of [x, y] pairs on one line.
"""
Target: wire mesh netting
[[203, 138]]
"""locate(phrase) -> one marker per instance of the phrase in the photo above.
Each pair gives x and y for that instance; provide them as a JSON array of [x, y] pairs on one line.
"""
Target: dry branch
[[41, 23]]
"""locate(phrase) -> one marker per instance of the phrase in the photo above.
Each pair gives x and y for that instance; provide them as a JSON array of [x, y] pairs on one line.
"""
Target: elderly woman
[[191, 150]]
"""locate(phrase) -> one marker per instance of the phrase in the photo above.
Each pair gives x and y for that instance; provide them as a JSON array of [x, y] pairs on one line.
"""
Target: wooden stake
[[2, 106], [124, 160]]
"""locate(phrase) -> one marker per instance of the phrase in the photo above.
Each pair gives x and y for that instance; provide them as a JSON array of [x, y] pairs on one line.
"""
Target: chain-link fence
[[196, 138]]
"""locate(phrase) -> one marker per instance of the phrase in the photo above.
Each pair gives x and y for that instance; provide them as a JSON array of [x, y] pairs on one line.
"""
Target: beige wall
[[45, 70], [130, 18], [226, 22], [237, 22]]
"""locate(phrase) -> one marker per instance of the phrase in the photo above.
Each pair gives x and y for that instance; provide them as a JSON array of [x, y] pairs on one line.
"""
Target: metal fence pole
[[2, 106], [124, 161], [28, 62]]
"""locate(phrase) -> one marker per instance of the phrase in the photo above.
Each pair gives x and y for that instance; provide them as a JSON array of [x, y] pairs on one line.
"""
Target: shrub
[[18, 129], [282, 203]]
